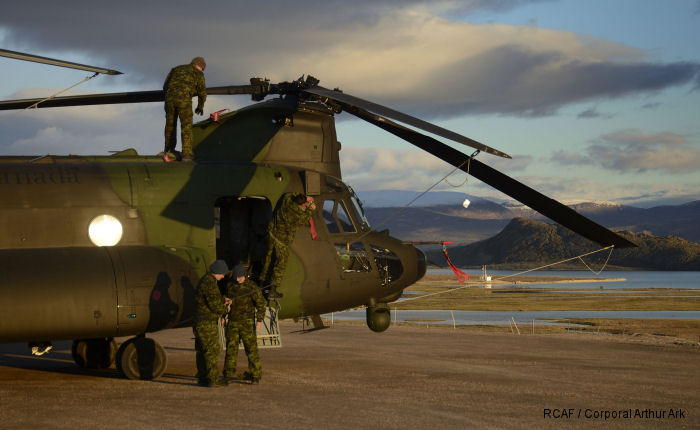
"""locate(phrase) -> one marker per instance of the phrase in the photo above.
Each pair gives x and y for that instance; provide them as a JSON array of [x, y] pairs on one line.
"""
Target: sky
[[596, 100]]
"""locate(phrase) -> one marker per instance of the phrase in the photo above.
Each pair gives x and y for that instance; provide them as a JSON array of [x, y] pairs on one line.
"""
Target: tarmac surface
[[348, 377]]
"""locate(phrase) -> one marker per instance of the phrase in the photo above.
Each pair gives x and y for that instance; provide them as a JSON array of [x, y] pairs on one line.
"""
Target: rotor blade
[[405, 118], [54, 62], [117, 98], [548, 207]]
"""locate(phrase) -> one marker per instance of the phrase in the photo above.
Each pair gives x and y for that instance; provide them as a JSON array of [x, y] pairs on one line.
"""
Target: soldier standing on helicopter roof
[[293, 212], [183, 83], [247, 307]]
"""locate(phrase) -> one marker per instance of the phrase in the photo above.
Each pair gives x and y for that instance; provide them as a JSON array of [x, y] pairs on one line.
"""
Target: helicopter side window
[[353, 257], [388, 264]]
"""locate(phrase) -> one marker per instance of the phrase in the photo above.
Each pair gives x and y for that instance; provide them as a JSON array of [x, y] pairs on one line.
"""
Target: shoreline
[[433, 279]]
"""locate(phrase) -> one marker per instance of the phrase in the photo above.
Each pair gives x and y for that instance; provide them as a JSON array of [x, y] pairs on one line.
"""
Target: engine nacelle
[[378, 317]]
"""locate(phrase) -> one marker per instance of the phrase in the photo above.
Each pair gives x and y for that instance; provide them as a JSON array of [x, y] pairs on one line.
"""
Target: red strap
[[215, 115], [459, 273], [314, 234]]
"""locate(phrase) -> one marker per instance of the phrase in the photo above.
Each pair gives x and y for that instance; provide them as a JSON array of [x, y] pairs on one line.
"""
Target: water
[[634, 279], [681, 281], [444, 317]]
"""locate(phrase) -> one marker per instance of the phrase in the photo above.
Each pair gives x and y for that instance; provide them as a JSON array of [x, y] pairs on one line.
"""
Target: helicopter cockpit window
[[359, 212], [353, 257], [336, 216], [344, 218], [388, 264], [328, 208]]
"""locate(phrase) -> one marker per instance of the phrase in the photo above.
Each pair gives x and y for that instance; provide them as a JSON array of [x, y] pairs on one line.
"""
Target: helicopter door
[[241, 226]]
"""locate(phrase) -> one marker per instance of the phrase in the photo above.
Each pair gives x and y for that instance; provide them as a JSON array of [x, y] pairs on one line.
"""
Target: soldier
[[211, 306], [247, 307], [293, 212], [182, 83]]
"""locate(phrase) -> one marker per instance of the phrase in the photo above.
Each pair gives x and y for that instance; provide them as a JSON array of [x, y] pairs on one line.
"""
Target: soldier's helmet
[[200, 62]]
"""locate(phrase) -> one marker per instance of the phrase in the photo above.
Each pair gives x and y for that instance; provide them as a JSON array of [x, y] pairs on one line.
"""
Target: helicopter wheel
[[141, 358], [94, 353]]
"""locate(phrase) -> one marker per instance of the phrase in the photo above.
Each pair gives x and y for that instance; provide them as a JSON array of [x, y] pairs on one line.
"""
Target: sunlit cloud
[[637, 151], [377, 168]]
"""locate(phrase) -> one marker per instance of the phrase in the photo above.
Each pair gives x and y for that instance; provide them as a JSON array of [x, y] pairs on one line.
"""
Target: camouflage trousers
[[175, 109], [277, 255], [206, 345], [237, 331]]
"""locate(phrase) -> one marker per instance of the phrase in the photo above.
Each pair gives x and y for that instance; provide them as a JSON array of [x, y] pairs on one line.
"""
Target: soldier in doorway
[[246, 311], [293, 212], [210, 307], [183, 82]]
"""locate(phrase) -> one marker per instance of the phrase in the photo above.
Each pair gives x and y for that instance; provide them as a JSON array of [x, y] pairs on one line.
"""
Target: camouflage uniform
[[210, 307], [247, 306], [284, 225], [182, 83]]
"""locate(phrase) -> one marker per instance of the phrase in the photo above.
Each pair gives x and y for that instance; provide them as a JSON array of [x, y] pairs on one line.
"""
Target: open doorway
[[241, 230]]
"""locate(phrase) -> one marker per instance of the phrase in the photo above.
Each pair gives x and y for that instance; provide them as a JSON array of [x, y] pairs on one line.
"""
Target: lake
[[634, 280]]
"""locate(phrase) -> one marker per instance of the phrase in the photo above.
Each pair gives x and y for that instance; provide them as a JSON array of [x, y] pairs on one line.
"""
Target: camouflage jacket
[[210, 303], [287, 220], [184, 82], [247, 302]]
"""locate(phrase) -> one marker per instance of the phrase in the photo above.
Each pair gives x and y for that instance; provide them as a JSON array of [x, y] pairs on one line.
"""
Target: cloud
[[635, 151], [95, 130], [378, 168], [568, 158], [593, 113], [90, 129], [412, 55]]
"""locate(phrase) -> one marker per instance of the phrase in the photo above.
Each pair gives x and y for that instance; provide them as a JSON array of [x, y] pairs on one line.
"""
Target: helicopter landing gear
[[141, 358], [94, 353]]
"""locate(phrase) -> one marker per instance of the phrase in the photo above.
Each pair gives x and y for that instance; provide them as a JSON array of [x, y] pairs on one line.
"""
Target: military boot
[[247, 376]]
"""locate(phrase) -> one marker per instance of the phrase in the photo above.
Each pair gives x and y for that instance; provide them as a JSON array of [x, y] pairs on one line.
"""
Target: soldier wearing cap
[[210, 307], [183, 83], [247, 307], [294, 211]]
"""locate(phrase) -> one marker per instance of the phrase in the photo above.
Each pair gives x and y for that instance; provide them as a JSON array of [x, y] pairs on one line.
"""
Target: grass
[[511, 296]]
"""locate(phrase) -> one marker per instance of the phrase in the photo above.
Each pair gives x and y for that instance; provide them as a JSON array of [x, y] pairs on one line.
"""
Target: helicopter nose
[[422, 264]]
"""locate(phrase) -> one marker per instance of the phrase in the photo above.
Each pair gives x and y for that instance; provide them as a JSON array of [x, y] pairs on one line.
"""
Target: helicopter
[[98, 247]]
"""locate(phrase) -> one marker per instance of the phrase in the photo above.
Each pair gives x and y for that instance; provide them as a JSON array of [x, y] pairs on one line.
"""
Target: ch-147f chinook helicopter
[[94, 247]]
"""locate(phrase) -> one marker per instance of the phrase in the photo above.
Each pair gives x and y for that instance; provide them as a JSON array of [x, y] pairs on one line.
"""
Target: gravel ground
[[349, 377]]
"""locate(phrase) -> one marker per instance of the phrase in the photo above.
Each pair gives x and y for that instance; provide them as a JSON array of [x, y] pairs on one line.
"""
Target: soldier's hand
[[199, 111], [257, 326]]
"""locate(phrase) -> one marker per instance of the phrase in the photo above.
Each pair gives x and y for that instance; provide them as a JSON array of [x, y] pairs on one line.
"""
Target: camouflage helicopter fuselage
[[176, 218]]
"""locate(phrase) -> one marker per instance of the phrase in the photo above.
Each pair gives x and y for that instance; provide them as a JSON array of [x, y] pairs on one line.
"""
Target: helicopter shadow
[[58, 361]]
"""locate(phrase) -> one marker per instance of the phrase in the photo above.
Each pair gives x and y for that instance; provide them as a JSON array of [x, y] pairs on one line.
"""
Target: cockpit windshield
[[359, 212]]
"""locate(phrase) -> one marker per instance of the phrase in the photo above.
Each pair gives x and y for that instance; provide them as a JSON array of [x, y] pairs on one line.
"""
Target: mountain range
[[440, 216]]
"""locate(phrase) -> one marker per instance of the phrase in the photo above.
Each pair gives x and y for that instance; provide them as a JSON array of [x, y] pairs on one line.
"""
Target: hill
[[530, 243]]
